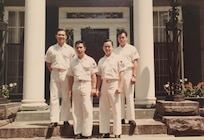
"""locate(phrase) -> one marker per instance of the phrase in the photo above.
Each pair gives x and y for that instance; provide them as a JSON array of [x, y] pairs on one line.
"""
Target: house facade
[[32, 25]]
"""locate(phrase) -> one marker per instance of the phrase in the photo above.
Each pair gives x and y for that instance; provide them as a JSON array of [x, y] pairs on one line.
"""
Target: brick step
[[29, 129], [184, 125], [45, 115]]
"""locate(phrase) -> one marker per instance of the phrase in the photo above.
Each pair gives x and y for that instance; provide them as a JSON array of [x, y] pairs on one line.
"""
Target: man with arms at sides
[[58, 57], [109, 88], [82, 85], [130, 55]]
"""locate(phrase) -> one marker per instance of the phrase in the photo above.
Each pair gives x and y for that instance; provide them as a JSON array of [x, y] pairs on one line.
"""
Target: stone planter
[[3, 100], [198, 99], [176, 97], [9, 110]]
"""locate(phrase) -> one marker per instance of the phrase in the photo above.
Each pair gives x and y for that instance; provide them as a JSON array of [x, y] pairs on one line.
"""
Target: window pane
[[21, 18], [70, 37], [155, 18], [162, 34], [12, 35], [16, 27], [21, 35], [155, 35], [163, 18], [12, 19]]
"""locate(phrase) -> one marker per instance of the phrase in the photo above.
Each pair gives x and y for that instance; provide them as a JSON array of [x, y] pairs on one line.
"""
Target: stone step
[[44, 115], [184, 125], [29, 129]]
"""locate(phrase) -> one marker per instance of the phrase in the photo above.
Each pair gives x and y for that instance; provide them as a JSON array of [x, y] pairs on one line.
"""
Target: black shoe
[[132, 127], [117, 136], [52, 125], [104, 135], [66, 123], [86, 137], [78, 136], [123, 121]]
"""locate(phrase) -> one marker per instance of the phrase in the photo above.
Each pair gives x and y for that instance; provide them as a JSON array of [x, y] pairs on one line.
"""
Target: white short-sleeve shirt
[[82, 69], [59, 57], [110, 67], [128, 53]]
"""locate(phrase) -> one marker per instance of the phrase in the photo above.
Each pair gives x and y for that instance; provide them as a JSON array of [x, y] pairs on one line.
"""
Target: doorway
[[94, 39]]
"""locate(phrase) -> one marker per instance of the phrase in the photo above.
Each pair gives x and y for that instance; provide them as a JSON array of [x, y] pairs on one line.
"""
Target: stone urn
[[175, 97], [3, 100]]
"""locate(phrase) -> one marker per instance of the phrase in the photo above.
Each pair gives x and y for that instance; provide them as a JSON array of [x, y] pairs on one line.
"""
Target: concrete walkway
[[125, 137]]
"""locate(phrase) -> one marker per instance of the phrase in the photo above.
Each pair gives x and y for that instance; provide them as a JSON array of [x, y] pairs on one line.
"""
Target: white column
[[143, 40], [34, 51]]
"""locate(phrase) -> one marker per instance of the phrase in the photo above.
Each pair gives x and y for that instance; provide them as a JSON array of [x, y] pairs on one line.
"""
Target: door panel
[[94, 41]]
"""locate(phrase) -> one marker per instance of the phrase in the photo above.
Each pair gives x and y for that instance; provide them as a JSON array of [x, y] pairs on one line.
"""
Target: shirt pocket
[[86, 67]]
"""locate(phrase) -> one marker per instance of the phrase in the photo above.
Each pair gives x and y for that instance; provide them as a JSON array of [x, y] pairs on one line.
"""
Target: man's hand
[[93, 91], [133, 80], [118, 91], [97, 93], [70, 94]]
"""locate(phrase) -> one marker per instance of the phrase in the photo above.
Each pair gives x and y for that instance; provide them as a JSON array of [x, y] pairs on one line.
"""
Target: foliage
[[173, 89], [6, 89], [186, 88], [194, 91]]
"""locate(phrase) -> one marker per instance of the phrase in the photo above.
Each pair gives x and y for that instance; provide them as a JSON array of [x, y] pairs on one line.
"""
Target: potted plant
[[5, 90], [190, 91], [175, 91], [195, 92]]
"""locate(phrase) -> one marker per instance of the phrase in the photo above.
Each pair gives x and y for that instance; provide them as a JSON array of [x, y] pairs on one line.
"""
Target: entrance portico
[[33, 92]]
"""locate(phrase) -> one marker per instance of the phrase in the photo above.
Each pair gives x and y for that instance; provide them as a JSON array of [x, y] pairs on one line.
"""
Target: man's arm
[[98, 85], [134, 71], [93, 84], [120, 87], [49, 66], [71, 81], [135, 65]]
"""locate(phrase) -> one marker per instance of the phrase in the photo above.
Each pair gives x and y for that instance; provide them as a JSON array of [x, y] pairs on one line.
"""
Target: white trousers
[[59, 84], [127, 97], [82, 106], [110, 101]]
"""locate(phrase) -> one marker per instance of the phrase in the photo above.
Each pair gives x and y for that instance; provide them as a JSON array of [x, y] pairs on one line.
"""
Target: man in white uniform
[[130, 56], [110, 75], [82, 85], [58, 57]]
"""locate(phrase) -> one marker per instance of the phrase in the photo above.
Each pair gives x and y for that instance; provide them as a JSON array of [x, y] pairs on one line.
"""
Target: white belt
[[129, 68], [60, 70], [110, 80], [82, 81]]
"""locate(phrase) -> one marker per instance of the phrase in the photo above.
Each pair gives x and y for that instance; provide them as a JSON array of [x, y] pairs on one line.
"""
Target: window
[[160, 18], [15, 27], [14, 16], [70, 37]]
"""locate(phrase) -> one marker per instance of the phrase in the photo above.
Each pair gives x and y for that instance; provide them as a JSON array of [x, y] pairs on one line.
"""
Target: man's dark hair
[[80, 41], [108, 40], [60, 29], [122, 31]]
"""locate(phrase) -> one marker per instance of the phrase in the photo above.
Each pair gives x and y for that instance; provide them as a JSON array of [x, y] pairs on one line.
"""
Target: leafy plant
[[194, 91], [6, 89], [186, 88], [172, 88]]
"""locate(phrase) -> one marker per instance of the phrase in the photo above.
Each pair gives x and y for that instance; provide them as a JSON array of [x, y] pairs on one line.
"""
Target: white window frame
[[18, 9], [161, 34]]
